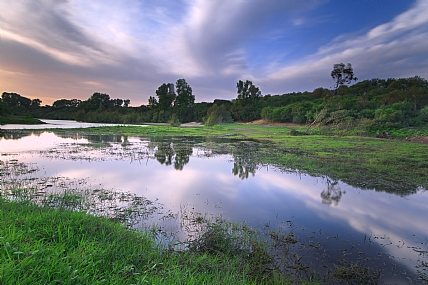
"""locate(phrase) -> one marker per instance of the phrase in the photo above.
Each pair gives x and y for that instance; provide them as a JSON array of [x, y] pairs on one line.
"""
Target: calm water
[[383, 229], [54, 124]]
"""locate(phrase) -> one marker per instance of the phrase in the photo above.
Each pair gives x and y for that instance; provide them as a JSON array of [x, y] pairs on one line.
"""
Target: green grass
[[39, 245], [24, 120], [383, 164]]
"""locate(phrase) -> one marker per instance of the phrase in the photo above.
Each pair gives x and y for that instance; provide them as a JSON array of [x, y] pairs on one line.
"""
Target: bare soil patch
[[418, 139], [263, 122]]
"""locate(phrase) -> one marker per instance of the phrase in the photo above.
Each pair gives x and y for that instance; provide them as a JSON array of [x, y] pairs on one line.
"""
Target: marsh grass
[[356, 273]]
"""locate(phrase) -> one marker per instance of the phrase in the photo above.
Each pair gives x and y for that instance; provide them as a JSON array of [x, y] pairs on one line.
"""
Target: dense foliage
[[369, 105]]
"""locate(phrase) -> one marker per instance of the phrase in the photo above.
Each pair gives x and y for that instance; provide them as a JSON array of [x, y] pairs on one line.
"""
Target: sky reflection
[[396, 225]]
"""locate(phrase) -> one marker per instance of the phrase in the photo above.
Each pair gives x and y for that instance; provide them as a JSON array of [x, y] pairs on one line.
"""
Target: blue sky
[[127, 48]]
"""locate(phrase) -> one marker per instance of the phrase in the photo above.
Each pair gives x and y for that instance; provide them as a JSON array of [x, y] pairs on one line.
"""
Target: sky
[[54, 49]]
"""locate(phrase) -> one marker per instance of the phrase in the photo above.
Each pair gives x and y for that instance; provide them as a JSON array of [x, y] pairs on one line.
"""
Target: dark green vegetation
[[367, 107], [24, 120]]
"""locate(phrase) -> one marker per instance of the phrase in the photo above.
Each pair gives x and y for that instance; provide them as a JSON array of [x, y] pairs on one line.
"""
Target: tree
[[99, 100], [247, 91], [245, 106], [14, 100], [153, 103], [184, 101], [342, 74], [65, 103], [166, 96]]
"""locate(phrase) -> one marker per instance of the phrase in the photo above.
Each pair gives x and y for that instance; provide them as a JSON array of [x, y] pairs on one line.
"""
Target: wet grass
[[43, 245]]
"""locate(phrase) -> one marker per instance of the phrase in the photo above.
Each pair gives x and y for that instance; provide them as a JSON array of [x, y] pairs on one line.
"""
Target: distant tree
[[126, 102], [153, 103], [2, 111], [65, 103], [14, 100], [247, 91], [99, 101], [184, 101], [116, 103], [342, 74], [36, 102], [245, 106]]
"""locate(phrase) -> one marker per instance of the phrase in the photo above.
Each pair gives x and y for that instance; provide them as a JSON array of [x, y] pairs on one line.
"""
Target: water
[[55, 124], [334, 221]]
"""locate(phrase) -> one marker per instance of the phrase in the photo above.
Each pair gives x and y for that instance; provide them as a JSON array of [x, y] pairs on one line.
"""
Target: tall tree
[[185, 101], [247, 91], [166, 96], [246, 107]]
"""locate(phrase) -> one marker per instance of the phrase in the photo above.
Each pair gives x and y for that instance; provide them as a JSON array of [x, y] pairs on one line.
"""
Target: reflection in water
[[361, 225], [244, 159], [333, 193]]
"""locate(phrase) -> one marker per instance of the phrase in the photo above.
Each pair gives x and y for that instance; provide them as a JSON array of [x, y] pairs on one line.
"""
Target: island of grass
[[21, 120]]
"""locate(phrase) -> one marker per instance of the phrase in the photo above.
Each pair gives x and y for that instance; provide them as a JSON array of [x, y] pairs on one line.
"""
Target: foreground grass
[[25, 120], [382, 164], [39, 245]]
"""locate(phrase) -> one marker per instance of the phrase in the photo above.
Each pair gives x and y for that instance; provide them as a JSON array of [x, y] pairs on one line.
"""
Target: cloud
[[393, 49], [129, 48]]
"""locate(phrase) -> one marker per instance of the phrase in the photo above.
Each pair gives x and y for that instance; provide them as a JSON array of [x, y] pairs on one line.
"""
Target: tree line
[[374, 104]]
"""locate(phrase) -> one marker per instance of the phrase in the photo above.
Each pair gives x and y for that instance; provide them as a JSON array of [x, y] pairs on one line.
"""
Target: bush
[[218, 115], [174, 121], [423, 114]]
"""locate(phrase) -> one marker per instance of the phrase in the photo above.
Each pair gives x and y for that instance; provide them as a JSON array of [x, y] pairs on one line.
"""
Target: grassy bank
[[45, 246], [24, 120], [396, 165]]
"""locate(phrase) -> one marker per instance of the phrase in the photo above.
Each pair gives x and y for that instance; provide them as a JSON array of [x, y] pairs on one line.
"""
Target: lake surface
[[334, 221], [55, 124]]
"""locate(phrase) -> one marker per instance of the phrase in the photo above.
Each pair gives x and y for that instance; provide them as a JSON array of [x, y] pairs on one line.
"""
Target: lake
[[333, 222], [55, 124]]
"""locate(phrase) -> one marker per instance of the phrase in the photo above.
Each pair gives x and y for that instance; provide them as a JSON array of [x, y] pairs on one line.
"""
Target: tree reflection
[[333, 193], [182, 156], [164, 153], [244, 156], [168, 152]]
